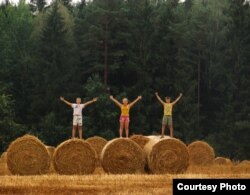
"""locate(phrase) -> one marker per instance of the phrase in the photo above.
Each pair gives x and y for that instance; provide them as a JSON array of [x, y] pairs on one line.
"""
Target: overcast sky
[[16, 1], [74, 1]]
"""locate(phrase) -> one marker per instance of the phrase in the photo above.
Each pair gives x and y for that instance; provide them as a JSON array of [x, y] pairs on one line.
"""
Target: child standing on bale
[[167, 119], [125, 108], [77, 114]]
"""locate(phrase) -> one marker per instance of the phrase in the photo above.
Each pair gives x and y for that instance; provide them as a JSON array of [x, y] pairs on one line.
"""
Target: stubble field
[[102, 183]]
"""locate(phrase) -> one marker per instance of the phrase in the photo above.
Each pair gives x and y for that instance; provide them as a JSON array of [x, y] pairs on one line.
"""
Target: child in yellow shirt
[[167, 119], [125, 108]]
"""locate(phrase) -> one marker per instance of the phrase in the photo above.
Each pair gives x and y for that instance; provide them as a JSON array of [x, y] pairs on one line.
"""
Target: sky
[[74, 1], [16, 1]]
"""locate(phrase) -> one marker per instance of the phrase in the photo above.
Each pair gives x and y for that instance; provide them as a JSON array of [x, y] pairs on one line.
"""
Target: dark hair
[[78, 98], [167, 97]]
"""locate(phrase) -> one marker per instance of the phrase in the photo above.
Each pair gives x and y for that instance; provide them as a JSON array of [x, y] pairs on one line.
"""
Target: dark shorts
[[167, 120]]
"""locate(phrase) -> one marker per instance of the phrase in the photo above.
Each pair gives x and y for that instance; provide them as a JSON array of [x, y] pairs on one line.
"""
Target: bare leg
[[74, 131], [163, 130], [80, 131], [127, 128], [171, 131], [121, 128]]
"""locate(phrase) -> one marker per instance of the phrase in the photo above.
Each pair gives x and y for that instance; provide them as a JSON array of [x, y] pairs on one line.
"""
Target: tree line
[[127, 48]]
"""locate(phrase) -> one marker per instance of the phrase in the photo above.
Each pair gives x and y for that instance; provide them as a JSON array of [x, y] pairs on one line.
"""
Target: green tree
[[56, 61], [234, 115], [16, 54], [37, 5], [10, 130], [127, 48], [101, 37], [100, 118]]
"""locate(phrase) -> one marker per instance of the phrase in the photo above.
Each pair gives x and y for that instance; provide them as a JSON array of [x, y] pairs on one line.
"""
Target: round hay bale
[[157, 137], [74, 157], [140, 140], [200, 153], [222, 161], [27, 155], [243, 167], [121, 155], [98, 144], [51, 150], [3, 165], [245, 163], [4, 156], [166, 155]]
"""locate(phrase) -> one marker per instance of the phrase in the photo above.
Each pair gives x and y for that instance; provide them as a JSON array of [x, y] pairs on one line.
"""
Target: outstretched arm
[[116, 101], [65, 101], [177, 99], [90, 102], [158, 97], [135, 101]]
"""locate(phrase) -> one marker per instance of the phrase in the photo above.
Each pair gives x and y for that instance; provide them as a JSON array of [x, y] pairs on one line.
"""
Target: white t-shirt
[[77, 109]]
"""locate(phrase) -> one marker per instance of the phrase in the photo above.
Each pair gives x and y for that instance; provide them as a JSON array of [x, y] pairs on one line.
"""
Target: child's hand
[[156, 93], [180, 94], [139, 97], [111, 97], [62, 98], [95, 99]]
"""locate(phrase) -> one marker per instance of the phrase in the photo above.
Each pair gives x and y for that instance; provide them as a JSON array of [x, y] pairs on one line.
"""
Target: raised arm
[[116, 101], [65, 101], [158, 97], [91, 101], [177, 99], [135, 101]]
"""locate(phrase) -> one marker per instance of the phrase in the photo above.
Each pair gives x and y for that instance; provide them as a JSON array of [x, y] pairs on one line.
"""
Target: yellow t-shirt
[[168, 109], [125, 110]]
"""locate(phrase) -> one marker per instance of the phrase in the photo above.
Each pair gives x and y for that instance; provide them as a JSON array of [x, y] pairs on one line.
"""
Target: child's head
[[168, 99], [125, 101], [78, 100]]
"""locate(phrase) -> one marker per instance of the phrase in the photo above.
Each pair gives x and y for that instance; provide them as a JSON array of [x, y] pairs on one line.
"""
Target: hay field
[[97, 181], [102, 183]]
